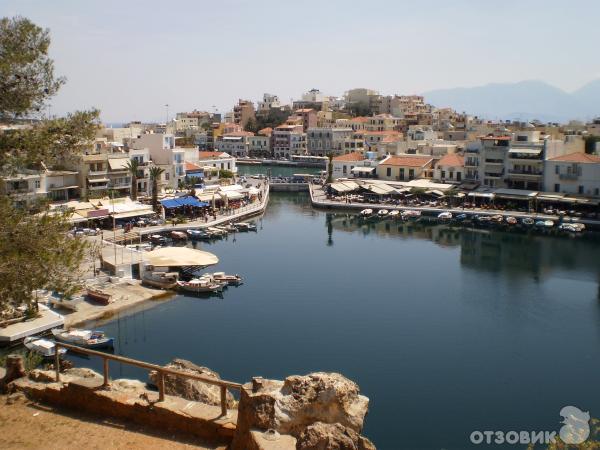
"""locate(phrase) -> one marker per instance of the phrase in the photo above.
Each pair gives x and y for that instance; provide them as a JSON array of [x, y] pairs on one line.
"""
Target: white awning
[[232, 195], [525, 151], [516, 194], [363, 170], [118, 163], [98, 180], [481, 194], [140, 212]]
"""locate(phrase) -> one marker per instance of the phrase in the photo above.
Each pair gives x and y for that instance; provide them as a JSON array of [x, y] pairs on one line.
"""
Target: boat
[[446, 215], [100, 296], [158, 239], [231, 280], [229, 228], [200, 285], [483, 219], [528, 221], [411, 214], [572, 227], [540, 223], [159, 279], [382, 212], [198, 234], [511, 220], [178, 235], [498, 218], [461, 217], [394, 214], [43, 347], [245, 226], [548, 223], [216, 231], [366, 212], [83, 338]]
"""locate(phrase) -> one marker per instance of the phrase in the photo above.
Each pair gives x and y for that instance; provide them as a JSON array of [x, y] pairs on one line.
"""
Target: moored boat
[[84, 338], [222, 277], [446, 215], [43, 347], [366, 212], [245, 226], [527, 221], [411, 214], [159, 279], [511, 220], [548, 223], [216, 232], [198, 234], [178, 235], [200, 285], [461, 217], [100, 296], [382, 212], [158, 239], [394, 214]]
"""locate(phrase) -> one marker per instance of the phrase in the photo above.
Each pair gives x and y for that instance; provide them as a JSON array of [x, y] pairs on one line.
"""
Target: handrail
[[161, 371]]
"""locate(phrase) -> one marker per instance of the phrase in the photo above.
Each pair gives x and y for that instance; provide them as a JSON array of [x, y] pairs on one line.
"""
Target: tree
[[133, 166], [26, 71], [251, 125], [224, 173], [330, 168], [35, 250], [155, 173]]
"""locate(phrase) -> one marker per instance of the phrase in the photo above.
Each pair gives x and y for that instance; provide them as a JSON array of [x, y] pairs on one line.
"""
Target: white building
[[322, 141], [575, 173], [353, 165], [269, 101], [236, 144], [162, 151]]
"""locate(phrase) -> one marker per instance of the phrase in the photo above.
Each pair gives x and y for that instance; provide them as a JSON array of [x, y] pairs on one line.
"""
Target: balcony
[[92, 173], [471, 163], [568, 176], [525, 173], [494, 162], [472, 150], [494, 174]]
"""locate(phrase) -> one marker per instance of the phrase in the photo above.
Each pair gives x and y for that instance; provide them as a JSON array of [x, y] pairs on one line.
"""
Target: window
[[557, 170], [37, 184], [580, 189], [557, 187], [458, 176], [402, 173], [443, 174], [411, 174], [167, 176], [389, 171], [344, 169]]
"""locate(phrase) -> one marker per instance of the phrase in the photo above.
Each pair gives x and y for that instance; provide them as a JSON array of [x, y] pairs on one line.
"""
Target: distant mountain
[[525, 100]]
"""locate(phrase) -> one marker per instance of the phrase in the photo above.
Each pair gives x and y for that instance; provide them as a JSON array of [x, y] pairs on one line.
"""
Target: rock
[[130, 386], [327, 436], [82, 372], [192, 389], [294, 405], [17, 397], [42, 376]]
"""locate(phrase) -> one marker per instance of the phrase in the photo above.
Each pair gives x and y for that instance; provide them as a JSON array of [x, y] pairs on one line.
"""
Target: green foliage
[[132, 167], [26, 71], [330, 168], [155, 173], [223, 173], [359, 110], [31, 360], [590, 143], [272, 119], [251, 125]]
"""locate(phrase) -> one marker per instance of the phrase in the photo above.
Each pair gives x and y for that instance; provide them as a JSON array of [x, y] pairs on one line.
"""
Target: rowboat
[[198, 234], [511, 220], [548, 223], [366, 212], [200, 285], [394, 214], [382, 212], [528, 221], [84, 338], [43, 347], [446, 215], [461, 217], [98, 295]]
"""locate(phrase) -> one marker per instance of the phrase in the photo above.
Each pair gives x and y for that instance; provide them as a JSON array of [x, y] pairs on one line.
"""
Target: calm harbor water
[[446, 330], [276, 171]]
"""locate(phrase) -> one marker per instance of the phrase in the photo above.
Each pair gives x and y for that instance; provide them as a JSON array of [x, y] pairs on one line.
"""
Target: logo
[[576, 428]]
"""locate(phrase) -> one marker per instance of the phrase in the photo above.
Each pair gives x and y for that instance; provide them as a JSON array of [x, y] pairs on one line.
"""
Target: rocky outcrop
[[15, 369], [197, 391], [321, 408], [327, 436]]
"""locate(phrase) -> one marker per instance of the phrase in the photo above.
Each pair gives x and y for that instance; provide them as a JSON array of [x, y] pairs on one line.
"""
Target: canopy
[[140, 212], [363, 170], [182, 201], [489, 195], [515, 194], [118, 163], [232, 195], [525, 151], [381, 189], [179, 257]]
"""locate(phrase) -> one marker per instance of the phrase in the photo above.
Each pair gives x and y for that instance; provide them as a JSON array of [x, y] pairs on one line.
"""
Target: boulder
[[15, 369], [328, 436], [328, 402], [191, 389]]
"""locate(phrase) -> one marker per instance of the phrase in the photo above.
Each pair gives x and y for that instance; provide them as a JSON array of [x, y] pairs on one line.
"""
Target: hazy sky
[[130, 58]]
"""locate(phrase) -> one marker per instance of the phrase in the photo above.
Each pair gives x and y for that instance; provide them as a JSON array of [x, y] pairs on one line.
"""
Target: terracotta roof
[[190, 167], [407, 161], [578, 157], [239, 134], [304, 110], [453, 160], [359, 119], [212, 155], [355, 156], [266, 131]]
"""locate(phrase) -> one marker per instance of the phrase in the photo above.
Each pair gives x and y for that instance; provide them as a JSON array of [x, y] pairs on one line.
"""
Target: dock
[[47, 320]]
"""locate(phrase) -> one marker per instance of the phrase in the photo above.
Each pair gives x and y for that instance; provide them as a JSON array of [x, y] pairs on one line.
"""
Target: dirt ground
[[28, 425]]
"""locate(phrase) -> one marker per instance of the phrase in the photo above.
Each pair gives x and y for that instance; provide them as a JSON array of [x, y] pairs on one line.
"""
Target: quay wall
[[288, 187]]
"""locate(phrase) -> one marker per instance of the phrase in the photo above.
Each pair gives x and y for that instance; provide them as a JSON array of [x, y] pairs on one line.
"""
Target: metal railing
[[160, 371]]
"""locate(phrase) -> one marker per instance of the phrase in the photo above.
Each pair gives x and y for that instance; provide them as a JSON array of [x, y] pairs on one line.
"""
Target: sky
[[130, 58]]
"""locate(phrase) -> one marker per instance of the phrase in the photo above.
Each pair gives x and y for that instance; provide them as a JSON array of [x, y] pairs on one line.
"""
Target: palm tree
[[133, 166], [155, 173], [330, 168]]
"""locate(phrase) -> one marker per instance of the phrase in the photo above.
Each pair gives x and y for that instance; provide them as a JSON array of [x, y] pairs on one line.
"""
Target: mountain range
[[524, 100]]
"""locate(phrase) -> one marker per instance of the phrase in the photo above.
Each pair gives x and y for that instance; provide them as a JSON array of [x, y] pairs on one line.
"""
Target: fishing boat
[[197, 234], [43, 347], [245, 226], [178, 236], [382, 212], [216, 231], [461, 217], [99, 296], [498, 218], [446, 215], [540, 223], [159, 279], [394, 214], [511, 220], [366, 212], [200, 285], [411, 214], [548, 223], [84, 338], [527, 221], [158, 239], [231, 280]]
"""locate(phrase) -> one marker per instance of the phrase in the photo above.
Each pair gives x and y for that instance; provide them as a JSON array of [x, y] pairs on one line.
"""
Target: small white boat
[[161, 280], [446, 215], [215, 231], [382, 212], [245, 226], [178, 235], [572, 227], [158, 239], [200, 285], [197, 234], [84, 338], [511, 220], [366, 212], [394, 214], [411, 214], [222, 277], [548, 223], [43, 347]]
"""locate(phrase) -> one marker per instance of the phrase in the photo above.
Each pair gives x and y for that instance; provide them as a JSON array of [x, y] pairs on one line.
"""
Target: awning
[[515, 194], [435, 192], [489, 195], [363, 170], [232, 195], [525, 151], [126, 215], [380, 189], [180, 256], [98, 180], [182, 201], [170, 203], [60, 188], [118, 163]]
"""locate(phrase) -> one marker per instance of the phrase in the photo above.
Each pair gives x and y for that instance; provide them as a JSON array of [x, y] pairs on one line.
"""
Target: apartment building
[[165, 154], [30, 186], [259, 146], [322, 141], [288, 140], [575, 173], [243, 112], [217, 160], [450, 168], [236, 144]]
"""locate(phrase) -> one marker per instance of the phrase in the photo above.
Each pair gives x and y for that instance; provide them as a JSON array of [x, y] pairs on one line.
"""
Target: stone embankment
[[317, 411]]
